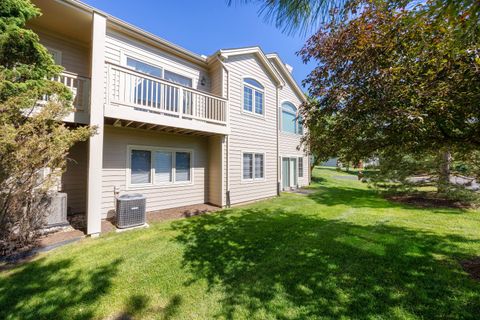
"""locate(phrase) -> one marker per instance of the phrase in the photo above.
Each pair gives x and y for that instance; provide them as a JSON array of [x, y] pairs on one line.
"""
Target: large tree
[[31, 137], [395, 79]]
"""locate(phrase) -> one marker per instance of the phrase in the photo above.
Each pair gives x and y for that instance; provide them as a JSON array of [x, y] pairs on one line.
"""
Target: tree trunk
[[445, 159], [313, 164]]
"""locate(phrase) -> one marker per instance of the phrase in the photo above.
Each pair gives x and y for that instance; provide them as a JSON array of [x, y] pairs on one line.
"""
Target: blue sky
[[206, 26]]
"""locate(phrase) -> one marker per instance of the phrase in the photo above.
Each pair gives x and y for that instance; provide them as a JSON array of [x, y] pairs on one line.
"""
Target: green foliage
[[418, 172], [298, 15], [32, 137], [395, 79]]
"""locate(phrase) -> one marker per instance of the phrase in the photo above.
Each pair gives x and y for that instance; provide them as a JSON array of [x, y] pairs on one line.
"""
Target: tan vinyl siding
[[215, 154], [250, 133], [75, 57], [116, 143], [217, 82], [288, 142], [74, 179]]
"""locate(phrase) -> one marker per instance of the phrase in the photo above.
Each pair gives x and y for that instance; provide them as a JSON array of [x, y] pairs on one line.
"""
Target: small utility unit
[[131, 210], [57, 210]]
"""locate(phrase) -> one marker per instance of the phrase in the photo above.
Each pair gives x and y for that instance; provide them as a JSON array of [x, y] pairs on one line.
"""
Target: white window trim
[[152, 184], [290, 156], [295, 134], [253, 179], [264, 91], [57, 52]]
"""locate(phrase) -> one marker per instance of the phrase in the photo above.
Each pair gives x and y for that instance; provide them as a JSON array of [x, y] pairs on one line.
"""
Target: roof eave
[[289, 76]]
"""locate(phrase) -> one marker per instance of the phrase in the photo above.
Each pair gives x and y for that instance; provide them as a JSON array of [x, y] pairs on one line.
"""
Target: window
[[182, 166], [247, 99], [300, 125], [155, 166], [253, 166], [259, 166], [140, 166], [56, 55], [258, 102], [291, 121], [144, 67], [247, 165], [146, 90], [253, 96], [163, 167], [300, 167], [177, 78]]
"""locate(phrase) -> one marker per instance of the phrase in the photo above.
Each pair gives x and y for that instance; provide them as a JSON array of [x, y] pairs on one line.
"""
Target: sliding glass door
[[289, 173]]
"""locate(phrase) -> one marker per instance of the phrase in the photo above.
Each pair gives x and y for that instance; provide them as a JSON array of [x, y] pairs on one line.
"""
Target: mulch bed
[[472, 267], [428, 202]]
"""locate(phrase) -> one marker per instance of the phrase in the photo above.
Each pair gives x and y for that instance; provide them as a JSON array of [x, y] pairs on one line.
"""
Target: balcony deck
[[80, 88], [135, 96]]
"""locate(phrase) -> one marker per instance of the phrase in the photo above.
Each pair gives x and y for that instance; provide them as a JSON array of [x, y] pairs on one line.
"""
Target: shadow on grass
[[366, 198], [317, 179], [49, 290], [137, 307], [285, 265]]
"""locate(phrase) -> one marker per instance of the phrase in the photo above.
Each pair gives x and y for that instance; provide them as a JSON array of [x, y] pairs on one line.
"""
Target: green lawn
[[342, 252]]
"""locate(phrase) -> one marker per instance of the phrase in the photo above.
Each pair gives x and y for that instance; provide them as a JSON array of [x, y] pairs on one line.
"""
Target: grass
[[342, 252]]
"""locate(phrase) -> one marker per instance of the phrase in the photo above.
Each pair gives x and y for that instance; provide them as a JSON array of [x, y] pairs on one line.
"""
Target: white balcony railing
[[80, 87], [148, 93]]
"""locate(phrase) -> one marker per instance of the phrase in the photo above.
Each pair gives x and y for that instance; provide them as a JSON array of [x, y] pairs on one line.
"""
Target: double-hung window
[[157, 166], [291, 121], [253, 165], [253, 96]]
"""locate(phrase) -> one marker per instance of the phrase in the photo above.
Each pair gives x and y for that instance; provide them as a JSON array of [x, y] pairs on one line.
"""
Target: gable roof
[[257, 51], [287, 75]]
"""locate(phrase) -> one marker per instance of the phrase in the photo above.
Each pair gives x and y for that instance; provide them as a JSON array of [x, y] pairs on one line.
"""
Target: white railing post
[[109, 84], [180, 102]]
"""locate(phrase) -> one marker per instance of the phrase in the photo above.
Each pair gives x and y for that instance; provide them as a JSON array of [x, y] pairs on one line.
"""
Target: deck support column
[[95, 147]]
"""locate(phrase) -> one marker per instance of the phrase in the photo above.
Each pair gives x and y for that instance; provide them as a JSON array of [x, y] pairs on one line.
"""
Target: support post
[[95, 147]]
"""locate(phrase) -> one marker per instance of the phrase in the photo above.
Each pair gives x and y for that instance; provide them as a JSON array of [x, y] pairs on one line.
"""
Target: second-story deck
[[80, 88], [136, 96]]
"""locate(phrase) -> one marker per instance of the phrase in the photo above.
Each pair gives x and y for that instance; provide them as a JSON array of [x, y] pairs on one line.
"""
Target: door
[[293, 172], [285, 173], [289, 173]]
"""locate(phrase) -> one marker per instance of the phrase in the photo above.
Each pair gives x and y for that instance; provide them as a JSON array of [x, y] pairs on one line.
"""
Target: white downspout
[[277, 107]]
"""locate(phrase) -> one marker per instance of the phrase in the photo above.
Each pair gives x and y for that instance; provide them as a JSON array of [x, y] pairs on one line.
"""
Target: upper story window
[[253, 96], [158, 72], [291, 120], [144, 67], [149, 93], [56, 55], [177, 78]]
